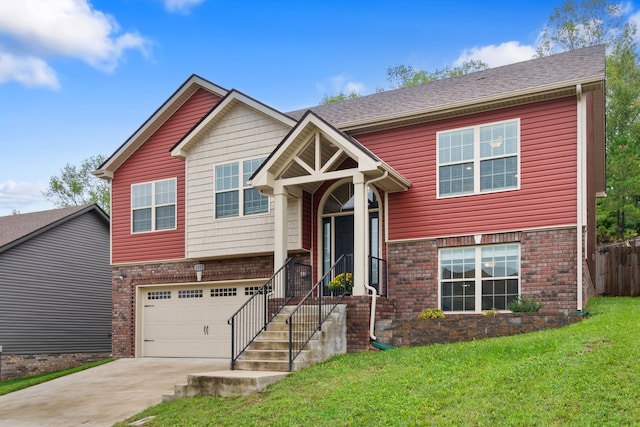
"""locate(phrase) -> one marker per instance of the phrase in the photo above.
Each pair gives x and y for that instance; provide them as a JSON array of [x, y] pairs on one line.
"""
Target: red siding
[[151, 162], [307, 220], [547, 194]]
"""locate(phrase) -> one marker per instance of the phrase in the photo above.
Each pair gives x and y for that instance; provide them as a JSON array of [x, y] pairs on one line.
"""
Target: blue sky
[[78, 77]]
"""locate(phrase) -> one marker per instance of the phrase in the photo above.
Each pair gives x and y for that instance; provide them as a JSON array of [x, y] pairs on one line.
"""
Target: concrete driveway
[[103, 395]]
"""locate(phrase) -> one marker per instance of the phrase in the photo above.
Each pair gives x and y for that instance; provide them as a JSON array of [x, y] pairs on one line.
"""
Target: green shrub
[[342, 283], [525, 305], [431, 313]]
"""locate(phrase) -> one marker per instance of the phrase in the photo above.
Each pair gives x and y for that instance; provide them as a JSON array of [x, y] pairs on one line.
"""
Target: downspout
[[580, 193], [371, 289]]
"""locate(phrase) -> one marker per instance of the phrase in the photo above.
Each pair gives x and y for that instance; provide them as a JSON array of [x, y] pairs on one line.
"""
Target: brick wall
[[412, 269], [24, 365], [358, 319], [548, 269], [124, 290]]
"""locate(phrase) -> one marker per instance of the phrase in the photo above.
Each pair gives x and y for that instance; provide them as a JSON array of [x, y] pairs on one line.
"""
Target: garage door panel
[[189, 322]]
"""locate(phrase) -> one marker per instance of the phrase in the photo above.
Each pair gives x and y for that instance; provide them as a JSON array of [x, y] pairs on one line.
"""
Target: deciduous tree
[[77, 186]]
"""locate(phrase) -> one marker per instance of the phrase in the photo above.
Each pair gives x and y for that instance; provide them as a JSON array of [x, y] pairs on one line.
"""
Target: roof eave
[[154, 122], [521, 96], [53, 224], [230, 100]]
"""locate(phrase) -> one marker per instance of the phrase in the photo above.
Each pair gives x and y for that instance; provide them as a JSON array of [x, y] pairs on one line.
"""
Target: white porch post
[[280, 232], [359, 235]]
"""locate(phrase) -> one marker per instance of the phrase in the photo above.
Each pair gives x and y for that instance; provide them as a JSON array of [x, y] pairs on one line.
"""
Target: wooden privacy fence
[[618, 270]]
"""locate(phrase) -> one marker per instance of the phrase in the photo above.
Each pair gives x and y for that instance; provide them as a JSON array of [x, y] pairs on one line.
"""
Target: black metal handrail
[[291, 280], [378, 274], [309, 315]]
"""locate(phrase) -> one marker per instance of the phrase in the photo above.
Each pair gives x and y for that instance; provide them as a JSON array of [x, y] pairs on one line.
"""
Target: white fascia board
[[140, 135], [234, 97], [523, 93]]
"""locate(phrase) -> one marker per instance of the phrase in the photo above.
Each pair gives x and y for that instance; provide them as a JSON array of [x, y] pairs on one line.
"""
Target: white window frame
[[477, 159], [478, 279], [154, 205], [240, 189]]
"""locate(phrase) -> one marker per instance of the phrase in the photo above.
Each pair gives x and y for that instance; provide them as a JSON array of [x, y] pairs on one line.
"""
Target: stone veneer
[[457, 328], [24, 365]]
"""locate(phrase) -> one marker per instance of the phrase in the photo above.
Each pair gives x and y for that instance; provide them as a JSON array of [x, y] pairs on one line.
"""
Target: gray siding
[[55, 290]]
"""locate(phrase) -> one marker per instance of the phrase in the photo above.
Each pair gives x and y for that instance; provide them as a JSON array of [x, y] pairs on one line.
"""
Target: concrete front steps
[[266, 360]]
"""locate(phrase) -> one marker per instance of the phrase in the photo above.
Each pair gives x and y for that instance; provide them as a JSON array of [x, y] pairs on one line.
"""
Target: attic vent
[[190, 293], [159, 295], [224, 292]]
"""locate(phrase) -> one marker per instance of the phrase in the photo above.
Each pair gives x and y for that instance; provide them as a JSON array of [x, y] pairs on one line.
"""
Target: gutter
[[580, 196]]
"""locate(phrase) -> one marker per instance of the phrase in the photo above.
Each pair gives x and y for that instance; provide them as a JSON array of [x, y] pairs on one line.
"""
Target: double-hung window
[[233, 191], [479, 278], [479, 159], [153, 206]]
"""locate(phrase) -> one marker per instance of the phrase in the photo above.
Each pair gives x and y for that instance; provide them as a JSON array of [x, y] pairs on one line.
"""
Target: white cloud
[[22, 196], [181, 6], [342, 83], [495, 56], [39, 29], [27, 70]]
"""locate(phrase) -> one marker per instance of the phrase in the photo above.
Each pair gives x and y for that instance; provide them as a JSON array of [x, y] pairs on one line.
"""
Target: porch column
[[359, 234], [280, 232]]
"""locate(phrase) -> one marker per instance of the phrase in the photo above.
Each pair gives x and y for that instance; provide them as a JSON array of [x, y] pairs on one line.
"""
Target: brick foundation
[[24, 365], [124, 290], [548, 269], [457, 328]]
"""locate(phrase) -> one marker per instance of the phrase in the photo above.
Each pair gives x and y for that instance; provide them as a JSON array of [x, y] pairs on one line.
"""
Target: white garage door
[[190, 321]]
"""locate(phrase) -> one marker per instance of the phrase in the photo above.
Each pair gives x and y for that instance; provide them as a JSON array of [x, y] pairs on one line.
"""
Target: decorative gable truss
[[315, 152]]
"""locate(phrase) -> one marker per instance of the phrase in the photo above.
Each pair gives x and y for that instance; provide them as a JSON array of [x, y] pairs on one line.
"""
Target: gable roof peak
[[17, 228], [190, 86]]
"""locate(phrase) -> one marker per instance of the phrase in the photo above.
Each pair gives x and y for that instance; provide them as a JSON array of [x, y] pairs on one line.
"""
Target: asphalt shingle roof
[[576, 65], [14, 227]]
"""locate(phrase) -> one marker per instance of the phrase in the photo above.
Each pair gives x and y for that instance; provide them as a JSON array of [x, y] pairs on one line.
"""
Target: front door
[[338, 228], [343, 236]]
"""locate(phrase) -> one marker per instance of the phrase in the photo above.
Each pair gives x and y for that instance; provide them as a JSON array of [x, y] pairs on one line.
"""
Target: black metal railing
[[290, 281], [378, 274], [309, 315]]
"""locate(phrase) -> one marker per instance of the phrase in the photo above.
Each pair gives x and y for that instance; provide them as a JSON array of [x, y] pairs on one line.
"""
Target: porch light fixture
[[121, 275], [199, 268]]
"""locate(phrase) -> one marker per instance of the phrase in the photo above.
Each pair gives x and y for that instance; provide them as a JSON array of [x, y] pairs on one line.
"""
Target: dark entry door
[[343, 236]]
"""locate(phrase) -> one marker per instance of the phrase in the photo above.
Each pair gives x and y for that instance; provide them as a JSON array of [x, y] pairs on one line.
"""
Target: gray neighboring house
[[55, 290]]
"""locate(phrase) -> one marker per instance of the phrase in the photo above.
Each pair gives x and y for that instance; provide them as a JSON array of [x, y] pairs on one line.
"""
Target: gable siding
[[243, 133], [547, 194], [55, 290], [151, 162]]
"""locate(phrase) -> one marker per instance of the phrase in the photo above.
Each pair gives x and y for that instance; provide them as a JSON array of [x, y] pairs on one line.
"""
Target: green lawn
[[587, 374], [9, 386]]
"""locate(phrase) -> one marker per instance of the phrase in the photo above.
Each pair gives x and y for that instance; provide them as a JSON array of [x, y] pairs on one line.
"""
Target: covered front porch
[[348, 186]]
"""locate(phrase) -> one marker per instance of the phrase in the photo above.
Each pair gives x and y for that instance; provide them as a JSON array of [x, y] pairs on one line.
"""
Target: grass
[[10, 386], [585, 374]]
